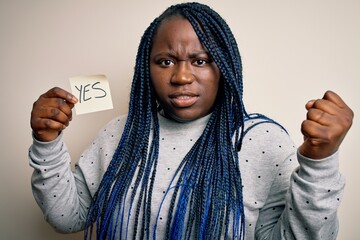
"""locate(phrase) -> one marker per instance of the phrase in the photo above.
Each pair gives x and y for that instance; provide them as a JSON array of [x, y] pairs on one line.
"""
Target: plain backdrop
[[292, 51]]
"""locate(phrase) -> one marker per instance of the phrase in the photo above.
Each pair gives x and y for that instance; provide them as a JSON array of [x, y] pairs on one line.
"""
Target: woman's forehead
[[176, 34], [173, 26]]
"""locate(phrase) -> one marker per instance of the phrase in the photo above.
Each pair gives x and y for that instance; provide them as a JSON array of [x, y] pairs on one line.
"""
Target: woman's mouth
[[183, 100]]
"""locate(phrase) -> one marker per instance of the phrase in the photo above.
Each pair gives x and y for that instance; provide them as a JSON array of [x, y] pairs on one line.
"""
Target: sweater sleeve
[[310, 204], [61, 193], [65, 194]]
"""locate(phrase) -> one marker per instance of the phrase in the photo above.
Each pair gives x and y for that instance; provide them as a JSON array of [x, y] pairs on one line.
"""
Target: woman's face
[[185, 78]]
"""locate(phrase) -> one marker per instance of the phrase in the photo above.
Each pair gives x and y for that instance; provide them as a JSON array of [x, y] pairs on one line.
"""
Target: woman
[[188, 161]]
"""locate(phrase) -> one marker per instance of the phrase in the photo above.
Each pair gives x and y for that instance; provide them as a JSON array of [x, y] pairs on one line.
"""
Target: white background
[[292, 51]]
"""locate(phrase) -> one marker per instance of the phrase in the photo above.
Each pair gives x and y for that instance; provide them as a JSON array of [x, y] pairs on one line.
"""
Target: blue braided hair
[[207, 200]]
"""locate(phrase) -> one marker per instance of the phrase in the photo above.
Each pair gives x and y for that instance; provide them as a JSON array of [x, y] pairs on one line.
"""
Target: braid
[[208, 179], [107, 208]]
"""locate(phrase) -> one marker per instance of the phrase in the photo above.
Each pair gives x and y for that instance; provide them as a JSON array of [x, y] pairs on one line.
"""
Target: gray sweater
[[286, 196]]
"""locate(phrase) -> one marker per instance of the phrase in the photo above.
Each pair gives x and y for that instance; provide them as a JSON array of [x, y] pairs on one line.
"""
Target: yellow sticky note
[[93, 93]]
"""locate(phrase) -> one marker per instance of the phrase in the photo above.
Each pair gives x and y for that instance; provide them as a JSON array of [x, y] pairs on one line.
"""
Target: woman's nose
[[182, 74]]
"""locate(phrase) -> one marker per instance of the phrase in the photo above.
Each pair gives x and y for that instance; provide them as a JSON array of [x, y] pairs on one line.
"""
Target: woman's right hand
[[51, 113]]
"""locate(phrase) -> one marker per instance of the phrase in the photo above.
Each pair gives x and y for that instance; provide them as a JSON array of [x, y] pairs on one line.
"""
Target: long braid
[[205, 36], [208, 178], [131, 152]]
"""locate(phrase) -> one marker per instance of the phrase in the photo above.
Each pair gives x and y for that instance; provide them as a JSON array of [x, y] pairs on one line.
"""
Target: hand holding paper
[[52, 112]]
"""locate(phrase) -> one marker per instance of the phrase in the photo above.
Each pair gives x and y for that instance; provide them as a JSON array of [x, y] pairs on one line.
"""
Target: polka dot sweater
[[286, 196]]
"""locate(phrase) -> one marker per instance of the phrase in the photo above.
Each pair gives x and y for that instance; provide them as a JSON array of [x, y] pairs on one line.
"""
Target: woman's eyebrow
[[196, 54], [167, 54], [173, 55]]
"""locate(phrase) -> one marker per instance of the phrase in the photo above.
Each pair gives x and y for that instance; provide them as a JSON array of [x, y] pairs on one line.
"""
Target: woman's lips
[[183, 100]]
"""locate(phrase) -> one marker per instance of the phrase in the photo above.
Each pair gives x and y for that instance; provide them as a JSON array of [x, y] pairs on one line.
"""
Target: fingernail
[[72, 98]]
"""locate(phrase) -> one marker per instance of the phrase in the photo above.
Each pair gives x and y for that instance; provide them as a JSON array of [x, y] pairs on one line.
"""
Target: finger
[[38, 119], [55, 102], [57, 92], [49, 131], [56, 114], [309, 104], [314, 132], [334, 98], [47, 124], [325, 106], [329, 97], [320, 117], [345, 111], [62, 105]]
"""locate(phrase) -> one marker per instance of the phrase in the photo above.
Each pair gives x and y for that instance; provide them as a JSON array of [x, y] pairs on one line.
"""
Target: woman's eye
[[200, 62], [166, 63]]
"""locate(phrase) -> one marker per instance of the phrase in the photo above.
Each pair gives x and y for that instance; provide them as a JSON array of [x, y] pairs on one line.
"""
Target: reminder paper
[[93, 93]]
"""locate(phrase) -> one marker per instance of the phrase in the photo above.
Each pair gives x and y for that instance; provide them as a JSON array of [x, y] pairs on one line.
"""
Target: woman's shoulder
[[256, 123], [117, 121], [113, 127], [264, 133]]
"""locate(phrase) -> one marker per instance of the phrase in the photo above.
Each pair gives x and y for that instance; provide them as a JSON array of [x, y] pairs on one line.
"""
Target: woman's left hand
[[328, 121]]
